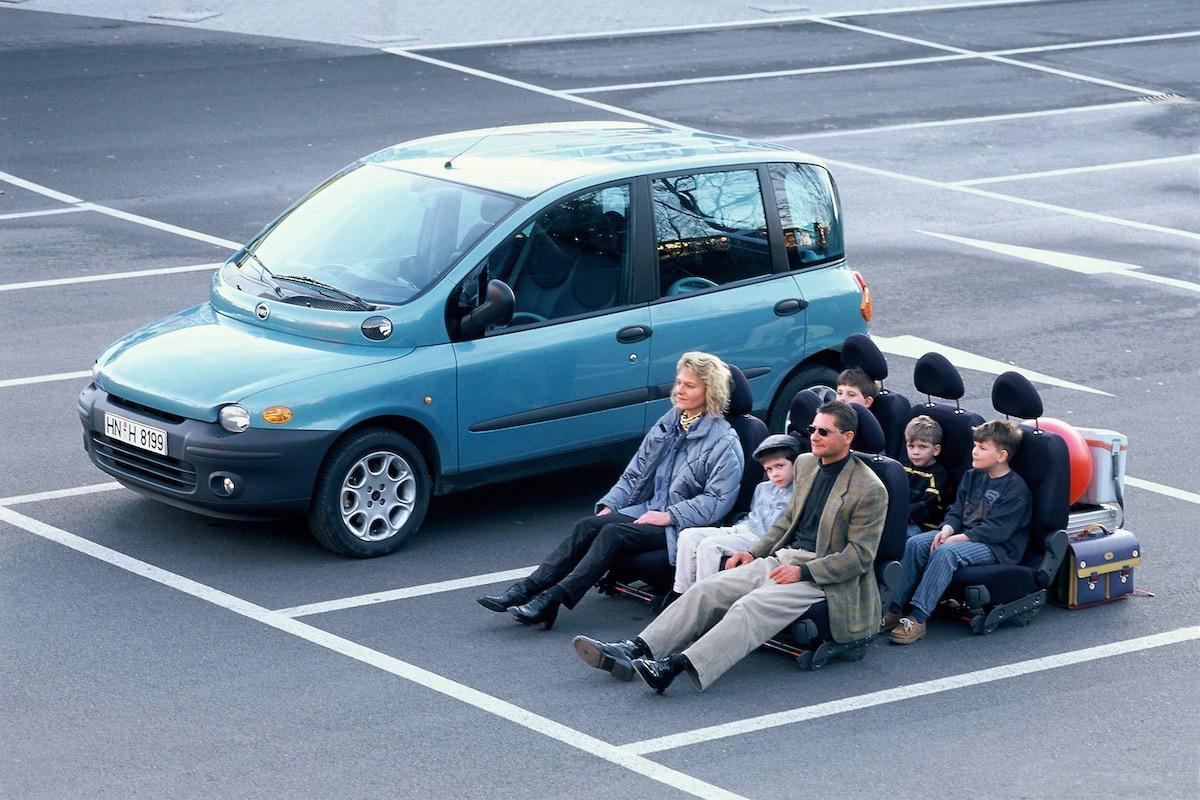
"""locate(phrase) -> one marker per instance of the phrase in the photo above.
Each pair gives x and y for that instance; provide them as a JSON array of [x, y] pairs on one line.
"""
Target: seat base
[[984, 619], [816, 658]]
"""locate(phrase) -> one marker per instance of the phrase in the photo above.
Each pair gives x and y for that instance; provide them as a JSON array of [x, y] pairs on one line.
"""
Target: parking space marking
[[57, 376], [37, 188], [914, 690], [110, 276], [410, 591], [44, 213], [491, 76], [57, 494], [915, 347], [545, 726], [904, 62], [83, 205], [1169, 491], [938, 123], [757, 22], [1076, 263], [1021, 201], [1062, 73], [1054, 173]]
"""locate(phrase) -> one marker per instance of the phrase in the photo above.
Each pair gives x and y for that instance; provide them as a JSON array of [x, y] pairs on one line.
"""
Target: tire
[[814, 376], [372, 494]]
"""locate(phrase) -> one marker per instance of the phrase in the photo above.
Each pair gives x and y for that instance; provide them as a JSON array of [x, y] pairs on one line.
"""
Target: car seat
[[935, 376], [801, 413], [651, 567], [994, 593], [891, 409], [809, 638]]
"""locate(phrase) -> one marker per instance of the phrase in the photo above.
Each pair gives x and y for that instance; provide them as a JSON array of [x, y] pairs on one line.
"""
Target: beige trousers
[[731, 614]]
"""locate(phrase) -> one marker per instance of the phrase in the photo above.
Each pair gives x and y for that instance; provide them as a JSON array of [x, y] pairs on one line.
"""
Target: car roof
[[526, 160]]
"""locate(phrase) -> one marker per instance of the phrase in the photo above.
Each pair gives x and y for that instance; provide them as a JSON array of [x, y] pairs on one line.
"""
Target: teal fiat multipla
[[468, 308]]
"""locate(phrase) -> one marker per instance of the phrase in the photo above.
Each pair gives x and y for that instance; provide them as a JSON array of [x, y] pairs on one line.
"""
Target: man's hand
[[738, 558], [660, 518], [785, 573], [603, 510]]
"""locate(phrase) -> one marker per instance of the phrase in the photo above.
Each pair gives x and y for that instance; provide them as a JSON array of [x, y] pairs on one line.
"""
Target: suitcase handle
[[1093, 531]]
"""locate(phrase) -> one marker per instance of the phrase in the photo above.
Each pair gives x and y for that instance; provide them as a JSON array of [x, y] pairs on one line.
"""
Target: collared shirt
[[810, 516]]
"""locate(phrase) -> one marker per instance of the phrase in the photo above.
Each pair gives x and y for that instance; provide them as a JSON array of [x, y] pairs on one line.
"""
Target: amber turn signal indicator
[[277, 415], [864, 304]]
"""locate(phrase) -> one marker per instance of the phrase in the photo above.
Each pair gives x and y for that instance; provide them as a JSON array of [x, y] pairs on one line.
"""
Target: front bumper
[[273, 471]]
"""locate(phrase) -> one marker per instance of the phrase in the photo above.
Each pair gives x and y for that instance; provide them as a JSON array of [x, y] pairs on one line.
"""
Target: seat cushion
[[1004, 582]]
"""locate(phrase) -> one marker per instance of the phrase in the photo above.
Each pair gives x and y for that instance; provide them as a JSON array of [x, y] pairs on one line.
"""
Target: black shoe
[[514, 595], [541, 610], [612, 657], [659, 674]]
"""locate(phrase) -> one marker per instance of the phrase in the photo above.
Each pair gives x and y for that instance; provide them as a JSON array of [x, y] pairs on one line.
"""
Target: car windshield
[[379, 233]]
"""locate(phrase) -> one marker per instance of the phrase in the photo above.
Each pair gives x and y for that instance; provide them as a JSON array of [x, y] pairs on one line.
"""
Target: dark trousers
[[583, 557]]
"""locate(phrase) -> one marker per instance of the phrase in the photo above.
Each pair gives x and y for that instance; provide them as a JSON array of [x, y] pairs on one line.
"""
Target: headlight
[[234, 419]]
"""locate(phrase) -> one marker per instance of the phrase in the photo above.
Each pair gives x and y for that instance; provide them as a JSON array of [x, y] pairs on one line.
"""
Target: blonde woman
[[686, 473]]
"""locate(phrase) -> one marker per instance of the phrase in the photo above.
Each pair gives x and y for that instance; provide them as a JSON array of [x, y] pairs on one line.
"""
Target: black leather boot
[[514, 595], [612, 657], [659, 674], [541, 610]]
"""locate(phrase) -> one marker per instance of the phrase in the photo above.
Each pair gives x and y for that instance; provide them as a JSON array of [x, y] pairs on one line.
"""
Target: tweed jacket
[[847, 538], [704, 485]]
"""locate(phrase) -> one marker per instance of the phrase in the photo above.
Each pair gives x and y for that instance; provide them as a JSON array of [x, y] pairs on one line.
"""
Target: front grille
[[169, 473], [121, 402]]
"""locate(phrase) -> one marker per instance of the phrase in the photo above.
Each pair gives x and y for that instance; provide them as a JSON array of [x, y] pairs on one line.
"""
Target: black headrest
[[801, 412], [869, 437], [741, 399], [859, 351], [935, 375], [1014, 396]]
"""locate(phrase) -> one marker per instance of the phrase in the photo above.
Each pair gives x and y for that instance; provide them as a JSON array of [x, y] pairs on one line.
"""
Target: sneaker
[[889, 621], [907, 631]]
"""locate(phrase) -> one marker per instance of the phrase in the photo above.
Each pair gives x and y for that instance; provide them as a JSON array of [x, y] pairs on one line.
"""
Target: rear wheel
[[371, 495], [817, 377]]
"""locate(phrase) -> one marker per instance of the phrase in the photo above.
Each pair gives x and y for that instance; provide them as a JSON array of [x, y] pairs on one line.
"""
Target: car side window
[[711, 229], [569, 260], [808, 212]]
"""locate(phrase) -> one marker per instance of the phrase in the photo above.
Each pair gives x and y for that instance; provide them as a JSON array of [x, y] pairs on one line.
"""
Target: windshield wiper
[[266, 274], [362, 305]]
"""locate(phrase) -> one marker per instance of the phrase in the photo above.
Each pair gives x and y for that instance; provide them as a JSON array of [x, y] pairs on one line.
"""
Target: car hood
[[192, 363]]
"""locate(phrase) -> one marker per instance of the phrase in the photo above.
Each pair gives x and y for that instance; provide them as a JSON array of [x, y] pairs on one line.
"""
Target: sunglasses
[[811, 429]]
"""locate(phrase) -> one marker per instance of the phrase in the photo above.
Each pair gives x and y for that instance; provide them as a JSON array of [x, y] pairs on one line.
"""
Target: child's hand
[[941, 537], [738, 558]]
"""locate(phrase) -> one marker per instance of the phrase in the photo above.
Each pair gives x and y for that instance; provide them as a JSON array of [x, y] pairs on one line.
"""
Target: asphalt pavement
[[1035, 208]]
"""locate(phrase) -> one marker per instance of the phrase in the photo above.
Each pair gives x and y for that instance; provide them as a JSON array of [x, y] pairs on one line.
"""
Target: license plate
[[135, 433]]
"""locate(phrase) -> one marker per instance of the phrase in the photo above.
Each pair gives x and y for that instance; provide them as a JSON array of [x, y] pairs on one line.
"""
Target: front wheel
[[818, 377], [372, 494]]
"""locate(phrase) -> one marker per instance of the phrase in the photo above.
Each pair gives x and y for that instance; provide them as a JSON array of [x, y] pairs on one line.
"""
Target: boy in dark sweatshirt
[[987, 524]]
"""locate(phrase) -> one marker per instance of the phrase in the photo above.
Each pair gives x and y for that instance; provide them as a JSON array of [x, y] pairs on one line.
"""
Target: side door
[[568, 372], [722, 282]]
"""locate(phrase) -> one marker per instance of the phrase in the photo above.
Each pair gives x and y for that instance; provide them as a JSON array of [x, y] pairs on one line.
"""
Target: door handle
[[790, 306], [634, 333]]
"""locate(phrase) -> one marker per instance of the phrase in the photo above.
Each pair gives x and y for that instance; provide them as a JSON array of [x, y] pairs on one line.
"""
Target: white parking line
[[1169, 491], [44, 213], [410, 591], [57, 376], [903, 62], [492, 705], [83, 205], [1062, 73], [715, 26], [110, 276], [914, 690], [57, 494], [940, 123], [1054, 173], [915, 347]]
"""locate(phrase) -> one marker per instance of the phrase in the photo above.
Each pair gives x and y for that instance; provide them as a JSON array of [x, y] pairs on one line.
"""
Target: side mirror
[[496, 309]]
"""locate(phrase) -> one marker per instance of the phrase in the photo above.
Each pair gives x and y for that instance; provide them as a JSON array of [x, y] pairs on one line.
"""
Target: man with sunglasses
[[821, 548]]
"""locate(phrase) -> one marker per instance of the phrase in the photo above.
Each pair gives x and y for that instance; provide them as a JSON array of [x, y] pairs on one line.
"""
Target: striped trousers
[[926, 575]]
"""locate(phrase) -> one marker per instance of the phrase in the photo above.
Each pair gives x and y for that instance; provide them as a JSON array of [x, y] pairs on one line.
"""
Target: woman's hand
[[660, 518], [603, 510]]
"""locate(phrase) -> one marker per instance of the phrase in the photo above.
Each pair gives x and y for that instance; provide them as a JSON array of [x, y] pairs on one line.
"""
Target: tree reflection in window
[[808, 212]]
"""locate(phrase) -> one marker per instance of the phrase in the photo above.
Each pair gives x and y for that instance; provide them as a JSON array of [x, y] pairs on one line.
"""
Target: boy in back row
[[988, 523]]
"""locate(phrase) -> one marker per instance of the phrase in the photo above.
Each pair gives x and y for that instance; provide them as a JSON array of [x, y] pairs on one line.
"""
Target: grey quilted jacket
[[704, 484]]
